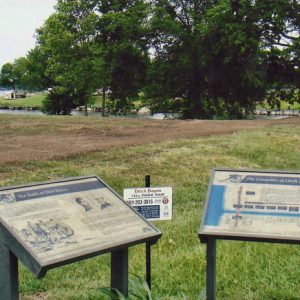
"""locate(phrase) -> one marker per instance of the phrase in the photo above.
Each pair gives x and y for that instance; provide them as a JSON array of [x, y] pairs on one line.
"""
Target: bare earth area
[[42, 138]]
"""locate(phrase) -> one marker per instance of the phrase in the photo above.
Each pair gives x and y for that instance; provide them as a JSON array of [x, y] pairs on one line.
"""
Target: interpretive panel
[[61, 221], [252, 204], [153, 203]]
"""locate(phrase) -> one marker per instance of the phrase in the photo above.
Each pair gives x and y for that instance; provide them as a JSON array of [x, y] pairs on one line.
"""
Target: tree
[[26, 72], [122, 32], [281, 41], [283, 77], [59, 101], [15, 75], [36, 78], [209, 56], [235, 70], [8, 76], [73, 61], [91, 45], [204, 56]]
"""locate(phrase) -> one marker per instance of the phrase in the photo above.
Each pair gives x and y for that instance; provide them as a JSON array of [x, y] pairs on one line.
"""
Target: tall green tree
[[209, 56], [26, 72], [204, 55], [92, 45], [8, 76], [122, 30], [73, 62], [15, 75], [235, 69], [281, 40], [36, 78]]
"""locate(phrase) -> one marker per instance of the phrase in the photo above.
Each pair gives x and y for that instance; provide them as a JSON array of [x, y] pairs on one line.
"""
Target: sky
[[18, 21]]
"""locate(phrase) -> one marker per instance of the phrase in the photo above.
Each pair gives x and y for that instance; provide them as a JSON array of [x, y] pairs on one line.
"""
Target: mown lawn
[[37, 101], [34, 101], [244, 270], [283, 106]]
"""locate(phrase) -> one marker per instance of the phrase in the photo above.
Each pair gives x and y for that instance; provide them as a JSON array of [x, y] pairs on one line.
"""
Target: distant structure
[[10, 95]]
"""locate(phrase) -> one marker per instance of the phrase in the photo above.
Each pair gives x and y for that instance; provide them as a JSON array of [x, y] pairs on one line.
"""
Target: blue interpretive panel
[[243, 204]]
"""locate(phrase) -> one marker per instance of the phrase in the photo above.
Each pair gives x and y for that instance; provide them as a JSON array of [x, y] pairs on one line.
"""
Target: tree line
[[200, 58]]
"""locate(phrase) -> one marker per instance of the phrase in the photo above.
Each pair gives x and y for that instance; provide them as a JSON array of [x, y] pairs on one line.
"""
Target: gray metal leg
[[119, 270], [148, 264], [9, 285], [211, 269]]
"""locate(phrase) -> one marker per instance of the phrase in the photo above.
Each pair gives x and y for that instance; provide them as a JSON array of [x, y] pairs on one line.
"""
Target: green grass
[[97, 102], [245, 270], [34, 101], [37, 101], [283, 106]]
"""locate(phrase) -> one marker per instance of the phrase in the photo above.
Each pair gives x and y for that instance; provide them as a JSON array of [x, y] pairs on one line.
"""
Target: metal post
[[9, 285], [148, 245], [148, 264], [147, 181], [119, 270], [211, 269]]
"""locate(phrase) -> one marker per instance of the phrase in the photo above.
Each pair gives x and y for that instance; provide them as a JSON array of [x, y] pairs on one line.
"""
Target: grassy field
[[283, 106], [34, 101], [37, 101], [244, 270]]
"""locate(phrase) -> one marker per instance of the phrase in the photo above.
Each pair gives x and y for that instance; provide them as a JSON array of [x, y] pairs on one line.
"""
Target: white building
[[8, 95]]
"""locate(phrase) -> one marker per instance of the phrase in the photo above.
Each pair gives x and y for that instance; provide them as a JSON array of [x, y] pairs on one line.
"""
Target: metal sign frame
[[246, 237], [12, 248], [211, 238]]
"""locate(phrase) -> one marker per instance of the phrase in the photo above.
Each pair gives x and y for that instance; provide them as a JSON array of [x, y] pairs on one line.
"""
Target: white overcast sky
[[18, 21]]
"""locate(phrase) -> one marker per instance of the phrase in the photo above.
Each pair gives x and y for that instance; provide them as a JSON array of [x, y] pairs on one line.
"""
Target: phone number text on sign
[[153, 203]]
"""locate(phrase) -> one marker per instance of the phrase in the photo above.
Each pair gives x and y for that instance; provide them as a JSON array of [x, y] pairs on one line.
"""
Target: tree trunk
[[103, 101], [15, 91], [85, 109]]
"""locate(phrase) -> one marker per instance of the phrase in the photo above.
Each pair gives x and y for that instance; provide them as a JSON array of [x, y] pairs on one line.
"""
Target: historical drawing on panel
[[103, 203], [44, 236], [6, 198], [84, 203]]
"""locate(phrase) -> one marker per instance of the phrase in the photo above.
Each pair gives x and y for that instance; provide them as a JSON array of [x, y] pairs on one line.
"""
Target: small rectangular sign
[[153, 203], [253, 205]]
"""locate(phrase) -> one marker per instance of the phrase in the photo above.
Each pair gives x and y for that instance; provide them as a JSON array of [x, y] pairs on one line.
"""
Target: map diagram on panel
[[60, 221], [253, 204]]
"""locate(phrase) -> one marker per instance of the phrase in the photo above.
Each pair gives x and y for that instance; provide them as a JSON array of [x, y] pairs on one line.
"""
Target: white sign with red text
[[153, 203]]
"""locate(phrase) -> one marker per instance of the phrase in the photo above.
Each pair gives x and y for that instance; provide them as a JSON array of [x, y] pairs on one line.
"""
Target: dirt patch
[[43, 138]]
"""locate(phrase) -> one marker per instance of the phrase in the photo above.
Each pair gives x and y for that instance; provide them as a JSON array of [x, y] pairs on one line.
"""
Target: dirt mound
[[41, 138]]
